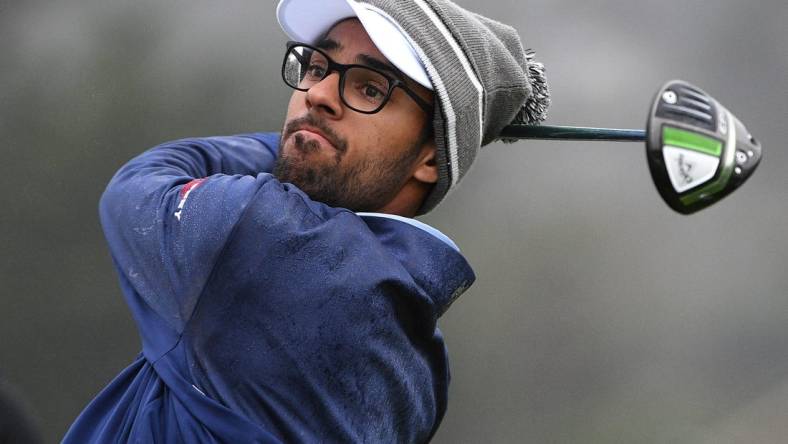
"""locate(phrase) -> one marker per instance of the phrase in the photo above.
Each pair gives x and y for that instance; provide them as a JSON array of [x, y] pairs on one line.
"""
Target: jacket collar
[[432, 259]]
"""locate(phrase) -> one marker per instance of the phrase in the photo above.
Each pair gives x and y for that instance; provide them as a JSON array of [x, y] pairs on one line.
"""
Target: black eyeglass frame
[[342, 69]]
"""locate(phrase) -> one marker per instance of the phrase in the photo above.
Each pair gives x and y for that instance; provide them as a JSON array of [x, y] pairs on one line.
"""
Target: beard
[[367, 185]]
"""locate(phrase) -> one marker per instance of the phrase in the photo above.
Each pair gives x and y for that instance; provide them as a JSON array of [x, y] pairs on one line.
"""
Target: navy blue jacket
[[267, 317]]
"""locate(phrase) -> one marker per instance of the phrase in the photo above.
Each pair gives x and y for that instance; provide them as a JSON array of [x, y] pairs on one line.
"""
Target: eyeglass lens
[[361, 88]]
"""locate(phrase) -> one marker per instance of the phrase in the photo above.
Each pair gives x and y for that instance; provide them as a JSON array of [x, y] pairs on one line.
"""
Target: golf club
[[698, 151]]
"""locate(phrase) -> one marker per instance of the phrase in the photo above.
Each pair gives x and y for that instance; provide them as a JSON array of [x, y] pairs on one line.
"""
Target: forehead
[[353, 39]]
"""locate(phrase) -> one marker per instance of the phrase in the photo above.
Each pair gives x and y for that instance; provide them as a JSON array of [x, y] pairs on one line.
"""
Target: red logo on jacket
[[185, 191]]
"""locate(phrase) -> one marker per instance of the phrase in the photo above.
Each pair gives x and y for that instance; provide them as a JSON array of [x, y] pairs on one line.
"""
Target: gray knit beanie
[[482, 78]]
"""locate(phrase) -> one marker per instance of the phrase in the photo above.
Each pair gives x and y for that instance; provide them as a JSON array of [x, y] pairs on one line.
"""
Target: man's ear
[[426, 169]]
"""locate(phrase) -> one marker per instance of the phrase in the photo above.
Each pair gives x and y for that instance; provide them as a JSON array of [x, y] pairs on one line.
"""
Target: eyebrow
[[373, 62], [329, 44]]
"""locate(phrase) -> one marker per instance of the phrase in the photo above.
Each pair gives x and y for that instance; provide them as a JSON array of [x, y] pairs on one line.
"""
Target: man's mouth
[[310, 134]]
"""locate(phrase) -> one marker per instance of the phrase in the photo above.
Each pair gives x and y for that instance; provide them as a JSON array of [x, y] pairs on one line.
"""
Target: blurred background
[[599, 315]]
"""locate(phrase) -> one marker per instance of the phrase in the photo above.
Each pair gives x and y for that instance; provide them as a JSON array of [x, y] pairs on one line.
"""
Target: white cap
[[308, 20]]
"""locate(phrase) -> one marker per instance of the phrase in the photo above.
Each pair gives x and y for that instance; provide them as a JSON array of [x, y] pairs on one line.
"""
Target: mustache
[[311, 121]]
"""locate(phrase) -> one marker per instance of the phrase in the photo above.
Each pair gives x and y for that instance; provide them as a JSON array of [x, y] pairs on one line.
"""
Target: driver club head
[[698, 151]]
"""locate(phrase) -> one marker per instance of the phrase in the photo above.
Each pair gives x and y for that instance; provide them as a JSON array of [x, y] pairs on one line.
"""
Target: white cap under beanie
[[482, 77], [382, 30]]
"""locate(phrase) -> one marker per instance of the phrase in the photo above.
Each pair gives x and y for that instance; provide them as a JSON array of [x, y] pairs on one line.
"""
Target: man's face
[[344, 158]]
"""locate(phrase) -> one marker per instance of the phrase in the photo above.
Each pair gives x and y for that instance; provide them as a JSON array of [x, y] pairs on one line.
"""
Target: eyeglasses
[[361, 88]]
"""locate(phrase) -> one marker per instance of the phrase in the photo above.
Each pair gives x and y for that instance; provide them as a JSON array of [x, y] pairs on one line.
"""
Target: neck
[[408, 200]]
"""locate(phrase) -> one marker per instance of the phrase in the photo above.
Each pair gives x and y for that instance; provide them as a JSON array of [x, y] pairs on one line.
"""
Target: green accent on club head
[[692, 141]]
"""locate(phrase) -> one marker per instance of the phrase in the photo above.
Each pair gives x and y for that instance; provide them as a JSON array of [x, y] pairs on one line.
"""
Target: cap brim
[[309, 26]]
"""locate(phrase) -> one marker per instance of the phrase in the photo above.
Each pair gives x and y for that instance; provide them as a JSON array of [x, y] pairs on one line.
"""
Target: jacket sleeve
[[167, 215]]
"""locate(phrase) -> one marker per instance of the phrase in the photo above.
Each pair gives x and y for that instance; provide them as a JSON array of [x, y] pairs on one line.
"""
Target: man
[[301, 306]]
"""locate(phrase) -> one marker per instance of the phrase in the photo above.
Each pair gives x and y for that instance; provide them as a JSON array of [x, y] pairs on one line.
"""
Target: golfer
[[282, 289]]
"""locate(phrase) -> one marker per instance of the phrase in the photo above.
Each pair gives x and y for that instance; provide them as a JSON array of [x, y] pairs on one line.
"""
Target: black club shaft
[[548, 132]]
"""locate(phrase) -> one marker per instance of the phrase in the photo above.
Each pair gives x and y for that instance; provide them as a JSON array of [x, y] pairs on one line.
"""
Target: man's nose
[[324, 96]]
